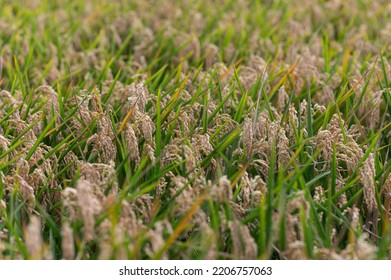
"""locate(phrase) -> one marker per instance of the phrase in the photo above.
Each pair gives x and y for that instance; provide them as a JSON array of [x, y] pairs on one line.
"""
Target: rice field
[[195, 129]]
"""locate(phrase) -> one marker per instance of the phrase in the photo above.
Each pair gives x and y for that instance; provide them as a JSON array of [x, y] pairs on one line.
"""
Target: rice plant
[[195, 129]]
